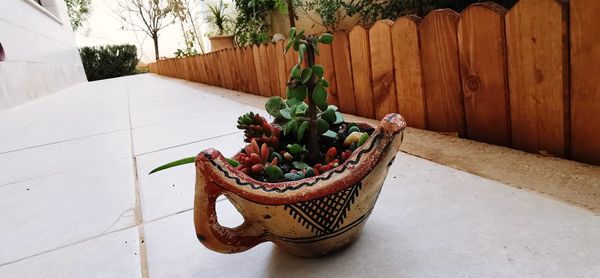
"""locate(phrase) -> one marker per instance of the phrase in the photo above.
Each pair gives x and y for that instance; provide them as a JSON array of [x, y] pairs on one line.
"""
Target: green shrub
[[101, 62]]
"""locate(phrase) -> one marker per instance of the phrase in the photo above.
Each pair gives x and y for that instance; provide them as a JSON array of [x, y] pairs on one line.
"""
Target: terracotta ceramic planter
[[220, 42], [308, 217]]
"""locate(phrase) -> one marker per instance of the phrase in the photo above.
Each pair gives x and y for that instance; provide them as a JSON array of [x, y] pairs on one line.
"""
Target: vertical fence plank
[[536, 39], [325, 58], [382, 69], [192, 71], [226, 64], [195, 69], [216, 68], [361, 71], [200, 67], [171, 71], [181, 67], [441, 72], [210, 69], [244, 69], [223, 74], [218, 72], [175, 65], [481, 43], [407, 68], [281, 72], [265, 77], [251, 70], [258, 68], [241, 67], [183, 62], [233, 69], [273, 75], [187, 65], [343, 72], [585, 82]]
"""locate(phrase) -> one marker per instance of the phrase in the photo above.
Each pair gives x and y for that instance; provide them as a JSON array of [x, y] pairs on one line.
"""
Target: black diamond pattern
[[326, 214]]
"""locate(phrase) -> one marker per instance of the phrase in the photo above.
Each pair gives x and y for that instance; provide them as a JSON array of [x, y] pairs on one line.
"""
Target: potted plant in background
[[307, 181], [221, 21]]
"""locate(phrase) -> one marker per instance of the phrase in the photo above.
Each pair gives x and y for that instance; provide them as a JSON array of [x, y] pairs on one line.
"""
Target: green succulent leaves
[[318, 70], [296, 72], [274, 105], [174, 163], [297, 93], [295, 149], [301, 130], [306, 75], [300, 165], [290, 127], [319, 96], [329, 115], [326, 38], [274, 172]]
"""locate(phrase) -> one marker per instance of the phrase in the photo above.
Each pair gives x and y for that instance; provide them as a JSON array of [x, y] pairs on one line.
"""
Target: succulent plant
[[308, 137], [255, 160], [355, 139], [257, 128]]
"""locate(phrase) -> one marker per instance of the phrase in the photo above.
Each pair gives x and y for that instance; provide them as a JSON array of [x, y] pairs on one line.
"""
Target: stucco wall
[[308, 21], [41, 55]]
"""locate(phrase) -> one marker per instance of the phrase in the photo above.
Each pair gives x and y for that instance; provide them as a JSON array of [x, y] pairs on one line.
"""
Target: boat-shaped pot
[[308, 217]]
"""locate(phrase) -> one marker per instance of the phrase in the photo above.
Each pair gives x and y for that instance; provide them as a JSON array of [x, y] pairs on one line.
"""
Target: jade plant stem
[[313, 135]]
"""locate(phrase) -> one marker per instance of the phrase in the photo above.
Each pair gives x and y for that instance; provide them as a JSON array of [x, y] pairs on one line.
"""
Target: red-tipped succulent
[[255, 159], [256, 127]]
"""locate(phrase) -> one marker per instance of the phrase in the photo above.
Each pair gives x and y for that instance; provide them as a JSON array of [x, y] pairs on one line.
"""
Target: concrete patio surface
[[76, 200]]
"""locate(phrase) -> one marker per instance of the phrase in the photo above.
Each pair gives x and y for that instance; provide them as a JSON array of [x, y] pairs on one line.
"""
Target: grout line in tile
[[189, 143], [64, 141], [139, 218]]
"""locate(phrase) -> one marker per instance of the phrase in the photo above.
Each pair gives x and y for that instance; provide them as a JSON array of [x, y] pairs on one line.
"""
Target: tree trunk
[[185, 36], [291, 13], [313, 134], [155, 39], [196, 34]]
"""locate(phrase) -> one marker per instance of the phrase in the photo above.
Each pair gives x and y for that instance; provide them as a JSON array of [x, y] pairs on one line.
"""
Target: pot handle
[[208, 230]]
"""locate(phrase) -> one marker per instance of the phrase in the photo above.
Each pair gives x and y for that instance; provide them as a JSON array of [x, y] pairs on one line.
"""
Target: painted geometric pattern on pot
[[326, 214]]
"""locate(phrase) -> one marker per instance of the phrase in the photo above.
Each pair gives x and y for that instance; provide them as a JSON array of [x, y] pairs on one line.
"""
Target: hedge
[[101, 62]]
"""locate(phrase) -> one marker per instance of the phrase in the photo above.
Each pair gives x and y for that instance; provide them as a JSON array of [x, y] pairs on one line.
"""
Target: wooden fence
[[527, 78]]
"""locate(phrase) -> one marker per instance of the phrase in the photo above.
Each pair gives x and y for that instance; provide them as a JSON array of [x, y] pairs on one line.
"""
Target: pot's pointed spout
[[393, 123]]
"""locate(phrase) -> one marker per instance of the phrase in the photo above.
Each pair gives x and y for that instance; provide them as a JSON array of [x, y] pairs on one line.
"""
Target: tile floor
[[76, 200]]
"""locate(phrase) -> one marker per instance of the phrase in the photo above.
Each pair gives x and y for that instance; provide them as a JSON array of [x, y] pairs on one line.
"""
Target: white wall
[[41, 55]]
